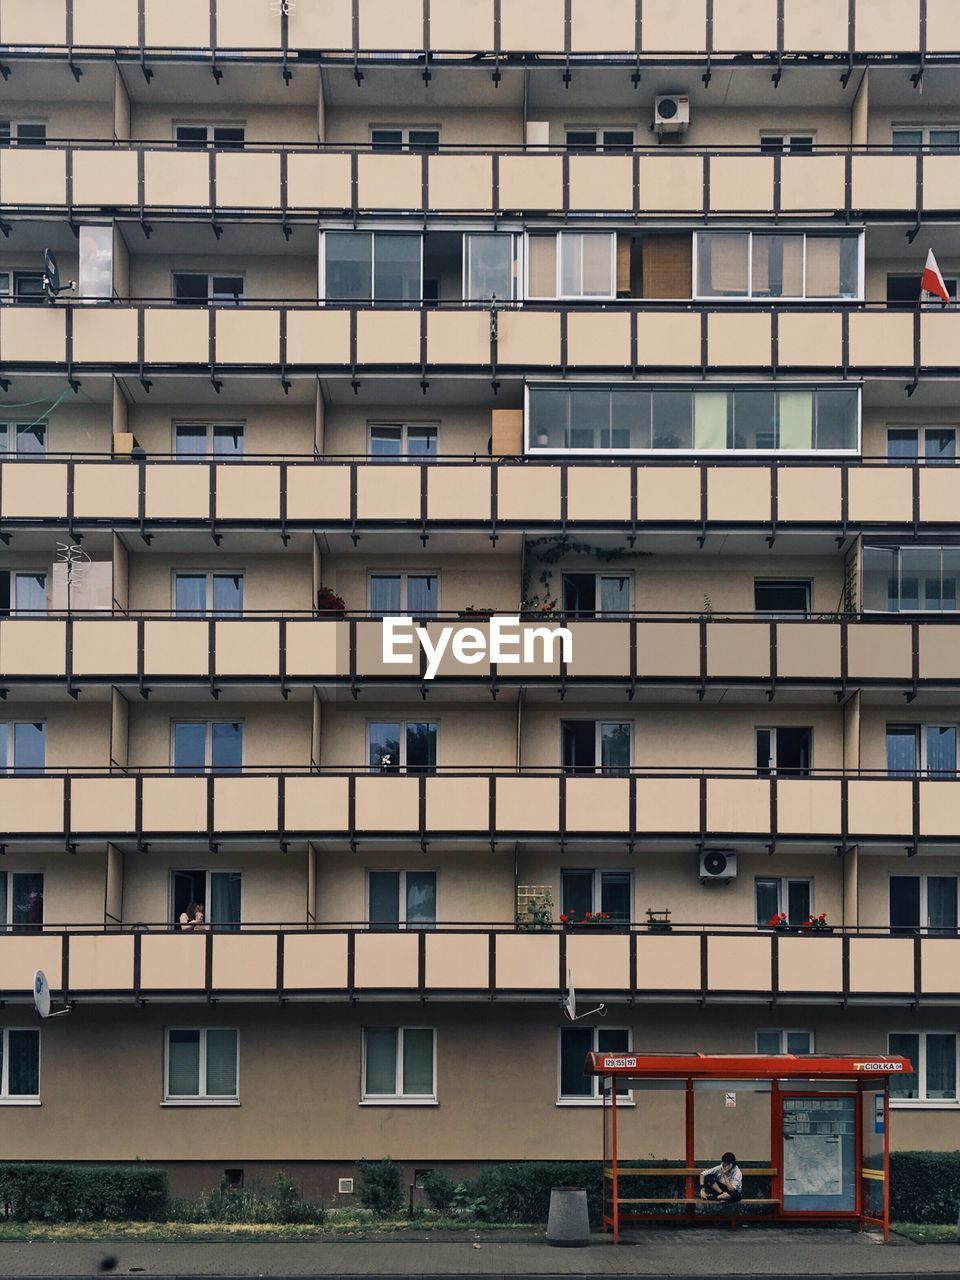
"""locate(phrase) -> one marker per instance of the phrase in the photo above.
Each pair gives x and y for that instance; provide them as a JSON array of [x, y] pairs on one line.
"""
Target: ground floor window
[[934, 1058], [201, 1065], [399, 1064], [19, 1065], [575, 1044]]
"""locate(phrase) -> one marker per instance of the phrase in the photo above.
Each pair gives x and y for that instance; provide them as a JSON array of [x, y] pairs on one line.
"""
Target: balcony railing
[[481, 962], [299, 181], [490, 495], [447, 30], [482, 805], [815, 340], [839, 652]]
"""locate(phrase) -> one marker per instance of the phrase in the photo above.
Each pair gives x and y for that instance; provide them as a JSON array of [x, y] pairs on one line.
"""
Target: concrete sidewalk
[[744, 1254]]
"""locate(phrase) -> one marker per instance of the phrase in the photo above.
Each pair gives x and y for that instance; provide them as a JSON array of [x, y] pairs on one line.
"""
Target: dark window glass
[[384, 898], [225, 135], [421, 747], [905, 1044], [26, 899], [386, 139], [580, 593], [386, 442], [785, 596], [191, 136], [348, 274], [190, 289], [575, 1044], [579, 745], [904, 903], [902, 442], [902, 744], [189, 747], [615, 895], [24, 1067], [576, 892], [226, 746]]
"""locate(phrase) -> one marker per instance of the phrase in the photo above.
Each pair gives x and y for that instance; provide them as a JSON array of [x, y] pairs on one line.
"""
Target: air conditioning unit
[[671, 113], [719, 865], [345, 1186]]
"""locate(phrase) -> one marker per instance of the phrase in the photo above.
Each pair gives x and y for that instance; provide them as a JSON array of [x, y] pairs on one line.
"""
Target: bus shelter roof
[[746, 1066]]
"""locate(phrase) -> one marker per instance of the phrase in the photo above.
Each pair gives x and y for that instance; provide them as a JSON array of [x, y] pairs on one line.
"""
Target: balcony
[[448, 27], [628, 495], [706, 964], [837, 653], [297, 182], [481, 806]]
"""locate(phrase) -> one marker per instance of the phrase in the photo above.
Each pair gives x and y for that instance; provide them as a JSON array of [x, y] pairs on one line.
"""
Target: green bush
[[82, 1193], [439, 1188], [282, 1202], [924, 1186], [381, 1187], [521, 1192]]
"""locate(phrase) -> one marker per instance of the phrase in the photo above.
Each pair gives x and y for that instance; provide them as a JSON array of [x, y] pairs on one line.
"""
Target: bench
[[661, 1171], [692, 1200]]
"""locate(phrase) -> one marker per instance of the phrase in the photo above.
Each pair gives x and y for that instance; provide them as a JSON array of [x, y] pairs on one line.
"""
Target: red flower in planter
[[778, 920], [563, 919]]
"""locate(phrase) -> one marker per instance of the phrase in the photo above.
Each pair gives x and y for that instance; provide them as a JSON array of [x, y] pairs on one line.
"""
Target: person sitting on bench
[[723, 1182]]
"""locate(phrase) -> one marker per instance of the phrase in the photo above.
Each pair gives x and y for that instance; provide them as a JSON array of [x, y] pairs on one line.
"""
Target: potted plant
[[536, 915], [779, 922], [329, 602], [659, 921], [595, 920], [817, 924], [472, 611]]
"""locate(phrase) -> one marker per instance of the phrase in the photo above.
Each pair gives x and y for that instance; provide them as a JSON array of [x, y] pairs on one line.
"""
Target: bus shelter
[[816, 1131]]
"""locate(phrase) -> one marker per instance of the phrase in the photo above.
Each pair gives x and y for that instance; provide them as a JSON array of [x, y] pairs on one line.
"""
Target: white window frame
[[207, 741], [921, 738], [922, 1102], [599, 147], [240, 427], [402, 721], [558, 296], [786, 136], [16, 427], [372, 232], [922, 438], [783, 894], [404, 131], [923, 877], [202, 1099], [404, 428], [924, 129], [750, 232], [209, 575], [6, 924], [598, 742], [398, 1099], [210, 126], [783, 1032], [13, 137], [570, 1100], [19, 1099], [925, 303], [207, 923], [595, 890], [7, 767], [773, 767], [403, 575], [599, 575], [403, 872], [517, 240], [210, 277], [16, 612]]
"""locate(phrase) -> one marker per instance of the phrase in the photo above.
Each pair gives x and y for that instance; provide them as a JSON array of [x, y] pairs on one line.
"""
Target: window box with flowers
[[329, 602], [817, 924], [779, 922], [592, 921]]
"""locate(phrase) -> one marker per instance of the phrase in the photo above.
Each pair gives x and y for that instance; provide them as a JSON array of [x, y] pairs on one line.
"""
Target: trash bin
[[568, 1226]]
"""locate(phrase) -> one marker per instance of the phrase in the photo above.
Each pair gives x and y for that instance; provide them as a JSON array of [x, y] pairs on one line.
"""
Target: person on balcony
[[723, 1182], [192, 920]]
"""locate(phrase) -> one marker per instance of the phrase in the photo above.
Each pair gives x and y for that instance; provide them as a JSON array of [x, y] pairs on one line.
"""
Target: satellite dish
[[51, 276], [569, 1003], [41, 994]]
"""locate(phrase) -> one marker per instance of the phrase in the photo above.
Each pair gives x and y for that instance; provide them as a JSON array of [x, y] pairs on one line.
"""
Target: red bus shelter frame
[[869, 1074]]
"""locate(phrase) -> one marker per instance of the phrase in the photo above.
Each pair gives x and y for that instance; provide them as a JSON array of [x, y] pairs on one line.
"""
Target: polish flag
[[932, 280]]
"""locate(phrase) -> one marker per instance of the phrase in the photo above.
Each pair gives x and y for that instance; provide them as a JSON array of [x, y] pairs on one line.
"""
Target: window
[[785, 751], [401, 440], [408, 746], [783, 895], [416, 594], [22, 746], [23, 438], [595, 746], [933, 1055], [202, 745], [923, 902], [934, 444], [218, 893], [899, 579], [491, 266], [781, 596], [19, 1065], [786, 143], [23, 133], [402, 899], [754, 264], [571, 264], [399, 1064], [587, 139], [196, 288], [903, 292], [930, 749], [364, 266], [596, 892], [773, 1042], [197, 595], [24, 286], [403, 139], [21, 900], [600, 594], [23, 593], [204, 440], [195, 136], [630, 418], [935, 137], [575, 1044], [201, 1065]]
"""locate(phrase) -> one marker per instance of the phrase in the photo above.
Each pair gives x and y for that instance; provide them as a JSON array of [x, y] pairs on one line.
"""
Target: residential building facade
[[593, 314]]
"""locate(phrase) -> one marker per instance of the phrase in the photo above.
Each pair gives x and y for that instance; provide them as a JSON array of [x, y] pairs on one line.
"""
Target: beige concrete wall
[[457, 125], [78, 735], [281, 582], [79, 428], [65, 119], [73, 884], [272, 735], [265, 276], [503, 1063], [460, 430], [267, 428], [263, 123], [876, 870], [718, 126], [491, 581], [877, 270]]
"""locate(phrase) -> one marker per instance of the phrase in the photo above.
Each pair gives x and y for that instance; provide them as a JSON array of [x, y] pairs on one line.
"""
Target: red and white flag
[[932, 280]]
